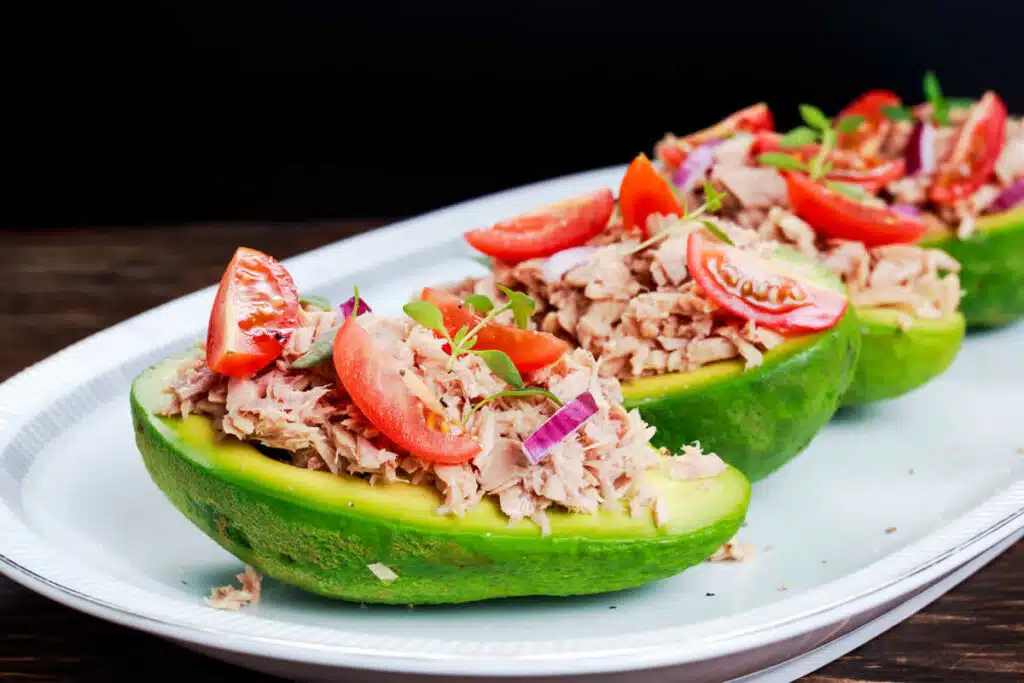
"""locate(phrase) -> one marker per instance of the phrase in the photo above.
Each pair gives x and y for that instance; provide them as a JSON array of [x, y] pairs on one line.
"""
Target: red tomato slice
[[872, 131], [372, 378], [255, 312], [834, 214], [974, 156], [753, 119], [756, 289], [848, 166], [528, 350], [548, 230], [645, 192]]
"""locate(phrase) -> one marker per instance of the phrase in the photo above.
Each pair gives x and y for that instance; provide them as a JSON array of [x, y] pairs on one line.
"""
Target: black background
[[166, 111]]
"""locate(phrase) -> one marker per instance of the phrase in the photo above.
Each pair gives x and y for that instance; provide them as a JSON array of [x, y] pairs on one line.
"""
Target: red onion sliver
[[560, 263], [906, 210], [692, 171], [1008, 198], [346, 308], [921, 149], [556, 428]]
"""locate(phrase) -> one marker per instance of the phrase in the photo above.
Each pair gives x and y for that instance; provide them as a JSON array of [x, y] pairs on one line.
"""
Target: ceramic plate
[[888, 506]]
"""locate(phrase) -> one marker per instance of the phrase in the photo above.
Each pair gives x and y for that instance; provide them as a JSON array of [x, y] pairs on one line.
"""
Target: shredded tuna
[[693, 463], [732, 551], [231, 598]]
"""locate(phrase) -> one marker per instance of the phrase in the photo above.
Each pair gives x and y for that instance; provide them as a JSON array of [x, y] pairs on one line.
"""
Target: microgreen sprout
[[819, 129], [712, 203]]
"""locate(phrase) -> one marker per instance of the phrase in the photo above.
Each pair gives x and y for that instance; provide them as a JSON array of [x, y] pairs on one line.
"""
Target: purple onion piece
[[559, 426], [1009, 198], [346, 308], [921, 149], [558, 264], [692, 171], [906, 210]]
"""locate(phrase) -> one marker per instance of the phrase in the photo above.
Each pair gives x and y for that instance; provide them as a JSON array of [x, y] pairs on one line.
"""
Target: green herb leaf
[[502, 366], [467, 344], [814, 117], [716, 231], [849, 124], [896, 113], [318, 352], [783, 161], [481, 303], [460, 335], [485, 261], [849, 189], [522, 306], [314, 301], [712, 197], [426, 314], [511, 393], [932, 90], [798, 137]]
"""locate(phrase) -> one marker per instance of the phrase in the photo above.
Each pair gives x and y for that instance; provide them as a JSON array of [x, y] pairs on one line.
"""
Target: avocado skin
[[992, 274], [759, 419], [326, 551], [894, 362]]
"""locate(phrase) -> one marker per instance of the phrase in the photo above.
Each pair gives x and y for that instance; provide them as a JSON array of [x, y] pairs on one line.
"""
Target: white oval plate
[[80, 521]]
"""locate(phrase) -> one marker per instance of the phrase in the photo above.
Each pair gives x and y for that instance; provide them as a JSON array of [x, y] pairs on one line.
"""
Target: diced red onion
[[906, 210], [559, 426], [921, 149], [1008, 198], [346, 308], [692, 171], [560, 263]]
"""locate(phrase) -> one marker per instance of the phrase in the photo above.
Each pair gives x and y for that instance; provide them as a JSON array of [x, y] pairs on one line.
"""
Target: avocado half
[[758, 419], [320, 532], [992, 274]]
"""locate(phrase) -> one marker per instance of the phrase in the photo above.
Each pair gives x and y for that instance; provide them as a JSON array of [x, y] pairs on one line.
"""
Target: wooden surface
[[60, 286]]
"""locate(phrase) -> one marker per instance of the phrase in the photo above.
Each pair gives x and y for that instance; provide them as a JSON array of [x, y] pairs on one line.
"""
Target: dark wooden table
[[60, 286]]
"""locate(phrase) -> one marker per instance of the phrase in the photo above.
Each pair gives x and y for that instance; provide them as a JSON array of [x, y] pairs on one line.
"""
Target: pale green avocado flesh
[[321, 532]]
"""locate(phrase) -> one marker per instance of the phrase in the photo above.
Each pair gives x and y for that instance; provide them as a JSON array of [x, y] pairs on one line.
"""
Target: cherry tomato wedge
[[868, 136], [548, 230], [527, 349], [837, 215], [372, 378], [255, 312], [645, 192], [753, 119], [756, 289], [975, 153], [848, 166]]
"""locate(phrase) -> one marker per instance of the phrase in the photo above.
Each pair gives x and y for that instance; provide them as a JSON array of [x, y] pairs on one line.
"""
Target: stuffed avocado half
[[380, 459]]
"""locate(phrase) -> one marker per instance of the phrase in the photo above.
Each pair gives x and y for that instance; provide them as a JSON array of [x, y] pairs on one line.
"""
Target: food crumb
[[910, 471], [382, 572], [351, 504], [611, 606], [769, 547], [709, 595], [732, 551], [783, 587], [890, 530], [231, 598], [1020, 451]]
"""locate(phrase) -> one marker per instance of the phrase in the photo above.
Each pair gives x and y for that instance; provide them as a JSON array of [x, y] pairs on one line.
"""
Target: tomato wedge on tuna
[[848, 166], [527, 349], [868, 136], [644, 192], [548, 230], [755, 289], [752, 119], [373, 379], [837, 215], [255, 312], [975, 153]]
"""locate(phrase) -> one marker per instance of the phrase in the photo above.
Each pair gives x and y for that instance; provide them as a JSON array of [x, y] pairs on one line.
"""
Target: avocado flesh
[[319, 531], [894, 361], [992, 274], [756, 419]]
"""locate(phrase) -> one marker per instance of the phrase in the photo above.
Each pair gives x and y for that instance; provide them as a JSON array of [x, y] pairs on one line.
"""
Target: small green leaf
[[460, 335], [522, 305], [468, 343], [814, 117], [426, 314], [932, 90], [314, 301], [502, 366], [485, 261], [511, 393], [849, 189], [716, 231], [849, 124], [940, 113], [798, 137], [481, 303], [783, 161], [318, 352], [712, 197], [896, 113]]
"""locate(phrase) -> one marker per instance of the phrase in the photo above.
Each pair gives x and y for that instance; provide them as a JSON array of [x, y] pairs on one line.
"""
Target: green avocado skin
[[894, 362], [992, 274], [761, 418], [328, 552]]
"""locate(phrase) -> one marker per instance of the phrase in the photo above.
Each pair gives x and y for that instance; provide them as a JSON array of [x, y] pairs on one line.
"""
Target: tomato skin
[[976, 151], [848, 166], [253, 316], [870, 133], [547, 230], [818, 309], [527, 349], [752, 119], [833, 214], [644, 192], [372, 380]]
